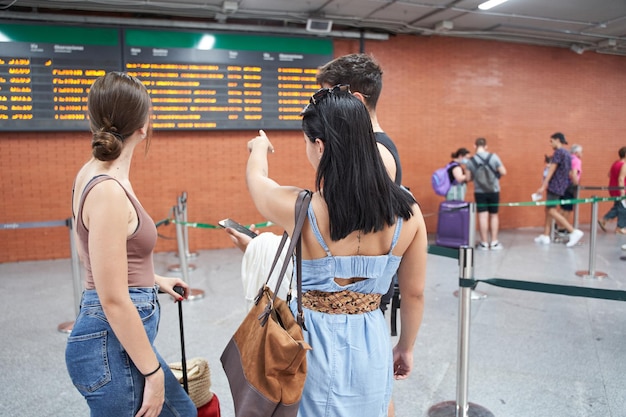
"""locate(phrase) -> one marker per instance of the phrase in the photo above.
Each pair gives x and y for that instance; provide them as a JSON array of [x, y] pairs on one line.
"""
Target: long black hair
[[351, 175]]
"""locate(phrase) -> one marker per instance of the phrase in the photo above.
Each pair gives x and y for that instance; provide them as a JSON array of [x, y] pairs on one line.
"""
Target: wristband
[[153, 372]]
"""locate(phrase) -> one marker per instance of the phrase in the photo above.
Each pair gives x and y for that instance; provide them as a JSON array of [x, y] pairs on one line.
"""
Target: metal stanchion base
[[189, 255], [595, 275], [476, 295], [176, 268], [66, 327], [195, 294], [448, 409]]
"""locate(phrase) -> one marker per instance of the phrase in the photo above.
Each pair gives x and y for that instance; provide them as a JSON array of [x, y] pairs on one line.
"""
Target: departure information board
[[46, 71], [197, 80], [225, 81]]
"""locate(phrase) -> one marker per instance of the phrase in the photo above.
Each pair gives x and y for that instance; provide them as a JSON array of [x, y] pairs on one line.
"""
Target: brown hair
[[118, 105], [460, 152], [360, 71]]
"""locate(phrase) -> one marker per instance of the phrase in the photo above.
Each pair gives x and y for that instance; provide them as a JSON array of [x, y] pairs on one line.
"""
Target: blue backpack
[[441, 179]]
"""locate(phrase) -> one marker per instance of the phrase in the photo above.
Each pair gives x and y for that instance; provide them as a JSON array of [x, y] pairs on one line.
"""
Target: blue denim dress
[[350, 368], [103, 372]]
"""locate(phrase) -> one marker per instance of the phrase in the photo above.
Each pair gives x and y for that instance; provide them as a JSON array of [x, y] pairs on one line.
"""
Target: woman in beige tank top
[[110, 354]]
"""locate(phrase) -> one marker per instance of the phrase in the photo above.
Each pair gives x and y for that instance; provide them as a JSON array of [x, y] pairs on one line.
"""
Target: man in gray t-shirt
[[485, 169]]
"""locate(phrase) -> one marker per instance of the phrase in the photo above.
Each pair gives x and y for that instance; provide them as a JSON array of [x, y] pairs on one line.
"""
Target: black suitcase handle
[[181, 291]]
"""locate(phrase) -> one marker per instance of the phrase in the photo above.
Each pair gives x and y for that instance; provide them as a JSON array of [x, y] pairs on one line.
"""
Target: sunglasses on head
[[323, 92]]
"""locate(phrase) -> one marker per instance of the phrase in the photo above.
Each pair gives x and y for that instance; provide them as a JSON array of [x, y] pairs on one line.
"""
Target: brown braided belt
[[342, 302]]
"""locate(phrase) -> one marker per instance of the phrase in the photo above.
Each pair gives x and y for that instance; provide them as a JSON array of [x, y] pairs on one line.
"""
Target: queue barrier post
[[472, 225], [195, 294], [475, 295], [66, 327], [591, 272], [184, 239], [183, 203], [462, 407], [576, 214]]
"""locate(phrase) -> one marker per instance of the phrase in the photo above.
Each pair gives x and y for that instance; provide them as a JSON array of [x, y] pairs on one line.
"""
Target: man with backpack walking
[[485, 170]]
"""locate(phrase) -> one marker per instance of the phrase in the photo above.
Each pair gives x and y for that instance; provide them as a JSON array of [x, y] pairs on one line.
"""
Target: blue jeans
[[103, 372], [618, 211]]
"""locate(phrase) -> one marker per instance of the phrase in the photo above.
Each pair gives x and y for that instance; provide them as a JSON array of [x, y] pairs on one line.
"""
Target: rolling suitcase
[[209, 405], [453, 224]]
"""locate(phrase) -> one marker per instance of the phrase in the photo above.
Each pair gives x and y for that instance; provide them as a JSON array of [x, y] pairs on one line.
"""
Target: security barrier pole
[[182, 208], [66, 327], [183, 203], [466, 270], [194, 293], [461, 407], [591, 272], [476, 295], [576, 195]]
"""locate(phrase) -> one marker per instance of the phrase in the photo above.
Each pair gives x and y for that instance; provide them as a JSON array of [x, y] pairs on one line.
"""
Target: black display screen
[[197, 81], [46, 72]]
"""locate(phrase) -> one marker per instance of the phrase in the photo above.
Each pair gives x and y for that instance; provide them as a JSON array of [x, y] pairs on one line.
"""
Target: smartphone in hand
[[237, 226]]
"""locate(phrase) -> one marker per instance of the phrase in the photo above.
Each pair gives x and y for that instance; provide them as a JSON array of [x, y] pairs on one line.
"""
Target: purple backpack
[[441, 179]]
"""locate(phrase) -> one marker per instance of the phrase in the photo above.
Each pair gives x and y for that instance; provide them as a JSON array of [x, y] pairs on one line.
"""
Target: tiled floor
[[531, 354]]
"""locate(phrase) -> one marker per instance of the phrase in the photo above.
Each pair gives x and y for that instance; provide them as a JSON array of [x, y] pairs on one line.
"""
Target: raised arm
[[275, 202]]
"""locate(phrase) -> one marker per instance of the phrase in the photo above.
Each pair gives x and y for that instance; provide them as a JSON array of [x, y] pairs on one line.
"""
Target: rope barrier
[[582, 187], [444, 251], [437, 250], [32, 225], [555, 202], [166, 222]]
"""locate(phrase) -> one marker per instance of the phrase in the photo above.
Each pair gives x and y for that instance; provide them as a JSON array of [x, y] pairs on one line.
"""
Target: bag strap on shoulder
[[487, 164], [295, 246]]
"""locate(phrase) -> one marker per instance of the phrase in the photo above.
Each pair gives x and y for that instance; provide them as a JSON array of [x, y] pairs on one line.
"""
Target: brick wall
[[439, 94]]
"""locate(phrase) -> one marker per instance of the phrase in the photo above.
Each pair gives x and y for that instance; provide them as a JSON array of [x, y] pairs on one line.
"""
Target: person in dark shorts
[[486, 193], [556, 182]]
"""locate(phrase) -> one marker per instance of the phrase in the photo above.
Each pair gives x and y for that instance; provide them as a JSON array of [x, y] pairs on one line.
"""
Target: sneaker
[[482, 246], [574, 237], [621, 230], [496, 246], [624, 247], [602, 224], [543, 239]]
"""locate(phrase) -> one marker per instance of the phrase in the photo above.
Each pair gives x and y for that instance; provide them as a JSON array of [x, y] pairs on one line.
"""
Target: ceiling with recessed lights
[[580, 25]]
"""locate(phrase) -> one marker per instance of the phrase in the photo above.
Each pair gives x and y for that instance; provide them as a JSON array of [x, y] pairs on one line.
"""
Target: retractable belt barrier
[[569, 290], [554, 202], [443, 251], [32, 225], [594, 200], [166, 222], [462, 407]]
